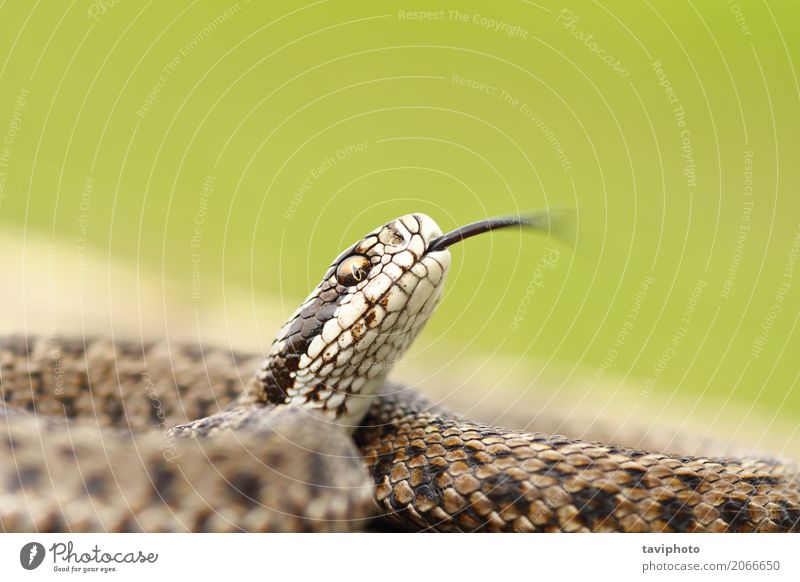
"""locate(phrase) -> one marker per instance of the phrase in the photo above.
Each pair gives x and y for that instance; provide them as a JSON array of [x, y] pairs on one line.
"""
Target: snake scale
[[98, 434]]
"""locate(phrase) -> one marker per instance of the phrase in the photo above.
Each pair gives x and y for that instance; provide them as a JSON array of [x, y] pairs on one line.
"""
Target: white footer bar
[[406, 557]]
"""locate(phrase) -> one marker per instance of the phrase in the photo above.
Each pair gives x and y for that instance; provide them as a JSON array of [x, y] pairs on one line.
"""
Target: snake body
[[99, 434]]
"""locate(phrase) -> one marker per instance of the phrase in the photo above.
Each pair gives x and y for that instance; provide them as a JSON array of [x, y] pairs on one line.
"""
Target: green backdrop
[[248, 142]]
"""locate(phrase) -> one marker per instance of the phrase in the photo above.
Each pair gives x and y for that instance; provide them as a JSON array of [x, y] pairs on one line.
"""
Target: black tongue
[[538, 220]]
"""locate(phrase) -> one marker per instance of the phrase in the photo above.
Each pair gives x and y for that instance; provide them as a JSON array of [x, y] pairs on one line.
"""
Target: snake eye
[[352, 270]]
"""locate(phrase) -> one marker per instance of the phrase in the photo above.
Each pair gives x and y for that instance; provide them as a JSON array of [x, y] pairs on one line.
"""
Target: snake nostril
[[394, 235]]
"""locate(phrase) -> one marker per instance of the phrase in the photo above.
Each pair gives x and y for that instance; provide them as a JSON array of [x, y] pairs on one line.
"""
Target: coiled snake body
[[98, 434]]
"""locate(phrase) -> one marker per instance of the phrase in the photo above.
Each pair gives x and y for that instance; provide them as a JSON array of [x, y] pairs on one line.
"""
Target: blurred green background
[[242, 144]]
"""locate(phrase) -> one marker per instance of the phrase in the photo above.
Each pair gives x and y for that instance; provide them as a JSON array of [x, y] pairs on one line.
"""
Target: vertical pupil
[[352, 270]]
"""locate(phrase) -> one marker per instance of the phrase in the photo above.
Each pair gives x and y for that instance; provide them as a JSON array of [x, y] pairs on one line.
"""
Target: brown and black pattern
[[275, 375], [430, 469], [443, 473], [128, 384], [78, 451], [288, 474]]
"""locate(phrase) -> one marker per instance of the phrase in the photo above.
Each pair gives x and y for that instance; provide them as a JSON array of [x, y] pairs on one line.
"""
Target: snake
[[135, 435]]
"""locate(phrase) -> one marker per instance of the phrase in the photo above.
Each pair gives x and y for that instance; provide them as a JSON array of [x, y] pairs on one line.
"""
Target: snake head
[[337, 347], [335, 350]]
